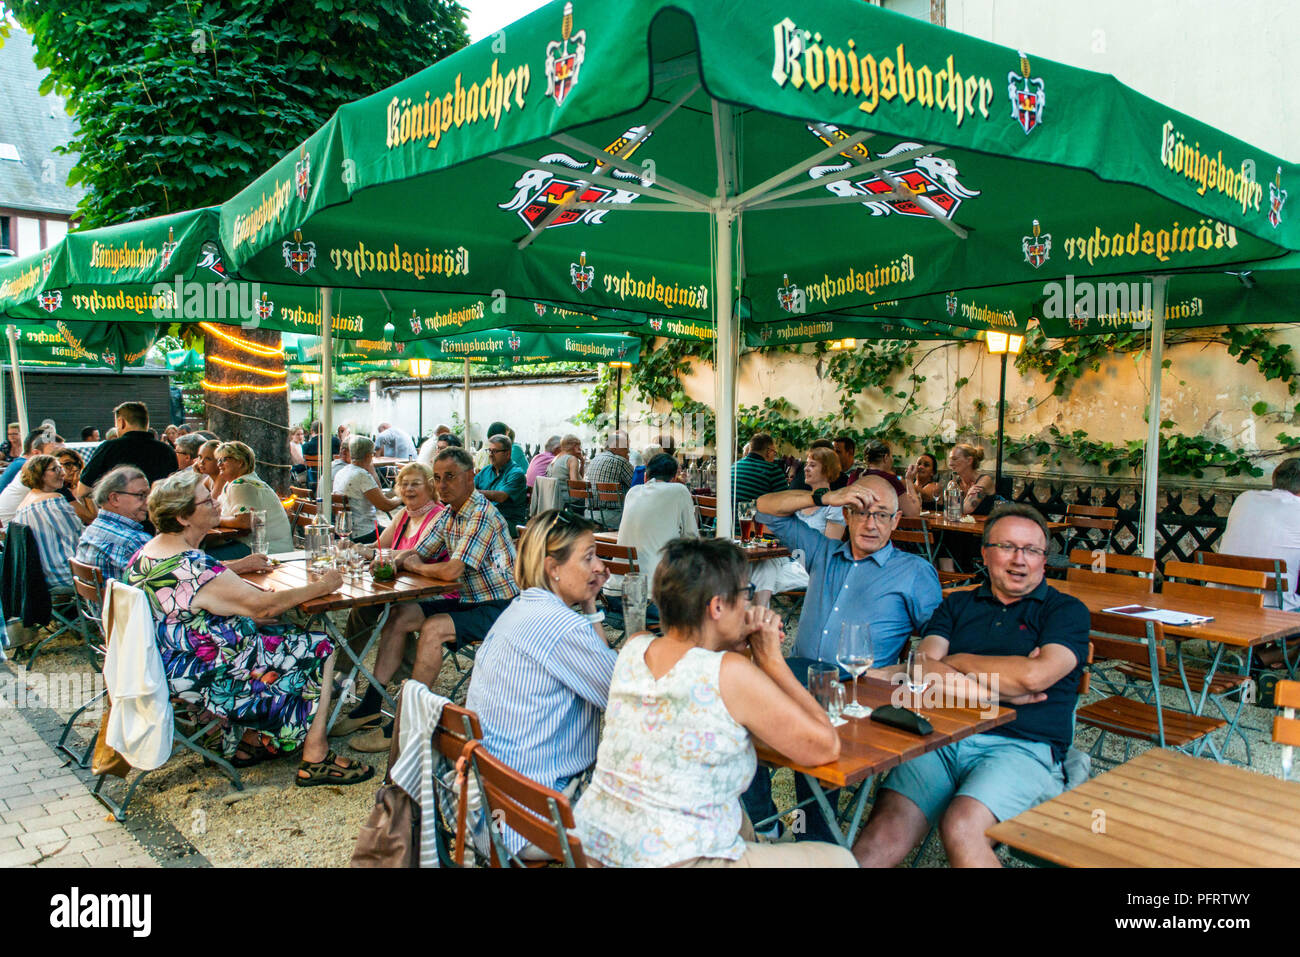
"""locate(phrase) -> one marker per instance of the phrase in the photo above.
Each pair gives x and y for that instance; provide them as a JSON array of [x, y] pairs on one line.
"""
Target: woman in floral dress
[[222, 651]]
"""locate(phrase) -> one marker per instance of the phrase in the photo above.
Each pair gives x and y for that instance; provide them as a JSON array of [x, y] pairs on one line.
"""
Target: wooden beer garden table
[[938, 523], [753, 553], [1163, 809], [868, 748], [355, 593]]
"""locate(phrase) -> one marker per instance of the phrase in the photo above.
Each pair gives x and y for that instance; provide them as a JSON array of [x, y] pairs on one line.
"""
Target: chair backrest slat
[[1120, 638], [1287, 694], [526, 807], [1200, 573]]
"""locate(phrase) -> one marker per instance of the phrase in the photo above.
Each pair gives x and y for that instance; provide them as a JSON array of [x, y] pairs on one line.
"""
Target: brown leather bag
[[391, 835]]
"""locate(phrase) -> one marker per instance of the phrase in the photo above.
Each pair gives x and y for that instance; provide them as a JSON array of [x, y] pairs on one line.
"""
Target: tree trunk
[[250, 404]]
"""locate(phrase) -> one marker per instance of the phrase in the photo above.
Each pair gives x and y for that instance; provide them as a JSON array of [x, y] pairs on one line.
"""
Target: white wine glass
[[854, 655], [343, 524], [917, 664]]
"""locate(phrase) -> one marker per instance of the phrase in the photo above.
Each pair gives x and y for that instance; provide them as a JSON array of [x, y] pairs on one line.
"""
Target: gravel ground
[[273, 823]]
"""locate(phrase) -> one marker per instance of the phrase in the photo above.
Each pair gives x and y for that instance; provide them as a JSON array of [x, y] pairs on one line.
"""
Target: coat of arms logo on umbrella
[[50, 301], [1276, 197], [1028, 97], [168, 248], [416, 325], [950, 303], [48, 263], [656, 323], [299, 256], [790, 296], [210, 258], [1038, 247], [265, 307], [302, 175], [581, 275], [514, 342], [563, 64], [539, 308]]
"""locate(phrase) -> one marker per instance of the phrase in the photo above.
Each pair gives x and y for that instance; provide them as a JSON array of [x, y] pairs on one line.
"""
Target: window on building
[[5, 244]]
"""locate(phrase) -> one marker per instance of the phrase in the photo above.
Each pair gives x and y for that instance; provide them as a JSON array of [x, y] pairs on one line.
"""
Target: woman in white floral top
[[677, 751], [243, 492]]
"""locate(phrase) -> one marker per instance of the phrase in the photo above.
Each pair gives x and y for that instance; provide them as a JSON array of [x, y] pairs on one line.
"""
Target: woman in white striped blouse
[[47, 513], [542, 677]]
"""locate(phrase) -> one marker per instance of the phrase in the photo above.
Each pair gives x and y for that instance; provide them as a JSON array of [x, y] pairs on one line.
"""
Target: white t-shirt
[[248, 493], [818, 519], [653, 515], [11, 498], [354, 481], [1264, 523]]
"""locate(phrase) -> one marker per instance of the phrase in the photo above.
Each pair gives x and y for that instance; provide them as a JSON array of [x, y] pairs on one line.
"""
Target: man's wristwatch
[[817, 495]]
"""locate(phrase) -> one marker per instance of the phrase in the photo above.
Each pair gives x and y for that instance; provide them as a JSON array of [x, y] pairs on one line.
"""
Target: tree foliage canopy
[[181, 103]]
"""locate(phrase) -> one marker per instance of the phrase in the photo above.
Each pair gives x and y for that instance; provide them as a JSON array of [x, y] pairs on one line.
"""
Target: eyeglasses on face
[[879, 517], [145, 495], [1029, 551]]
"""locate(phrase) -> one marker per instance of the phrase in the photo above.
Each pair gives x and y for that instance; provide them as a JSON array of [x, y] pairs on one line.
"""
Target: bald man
[[861, 579]]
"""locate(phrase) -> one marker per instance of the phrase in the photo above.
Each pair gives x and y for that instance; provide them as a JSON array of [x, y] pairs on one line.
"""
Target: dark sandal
[[257, 753], [329, 772]]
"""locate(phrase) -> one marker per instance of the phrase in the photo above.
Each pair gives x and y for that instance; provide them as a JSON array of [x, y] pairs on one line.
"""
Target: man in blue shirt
[[117, 533], [861, 579], [504, 484], [1015, 641]]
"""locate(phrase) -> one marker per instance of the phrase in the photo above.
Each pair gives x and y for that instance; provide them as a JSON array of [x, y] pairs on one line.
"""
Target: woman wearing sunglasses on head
[[542, 677]]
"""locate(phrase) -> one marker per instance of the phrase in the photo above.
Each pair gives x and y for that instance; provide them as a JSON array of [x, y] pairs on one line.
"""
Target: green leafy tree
[[181, 103]]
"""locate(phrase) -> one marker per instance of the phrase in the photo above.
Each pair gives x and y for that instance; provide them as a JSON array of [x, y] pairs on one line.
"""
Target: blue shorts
[[1006, 775]]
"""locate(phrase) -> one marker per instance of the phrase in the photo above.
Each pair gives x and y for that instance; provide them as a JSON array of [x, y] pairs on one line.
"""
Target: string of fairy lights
[[256, 350]]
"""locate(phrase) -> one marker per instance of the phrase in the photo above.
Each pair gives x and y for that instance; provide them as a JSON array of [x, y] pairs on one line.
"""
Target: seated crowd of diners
[[669, 777]]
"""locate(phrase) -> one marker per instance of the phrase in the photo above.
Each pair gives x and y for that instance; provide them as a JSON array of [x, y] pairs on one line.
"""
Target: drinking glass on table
[[825, 686], [634, 603], [343, 524], [257, 529], [855, 656], [745, 512], [917, 664]]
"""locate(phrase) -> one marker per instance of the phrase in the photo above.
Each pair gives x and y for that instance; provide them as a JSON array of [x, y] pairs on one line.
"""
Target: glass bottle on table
[[854, 655], [952, 499]]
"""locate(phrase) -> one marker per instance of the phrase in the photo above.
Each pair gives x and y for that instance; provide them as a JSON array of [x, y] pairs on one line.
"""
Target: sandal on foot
[[330, 771], [255, 754]]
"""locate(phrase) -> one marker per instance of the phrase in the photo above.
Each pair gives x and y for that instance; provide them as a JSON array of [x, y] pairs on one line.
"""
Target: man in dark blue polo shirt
[[1017, 638]]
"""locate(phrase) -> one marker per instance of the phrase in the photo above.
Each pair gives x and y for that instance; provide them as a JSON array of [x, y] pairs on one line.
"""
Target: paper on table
[[1162, 615]]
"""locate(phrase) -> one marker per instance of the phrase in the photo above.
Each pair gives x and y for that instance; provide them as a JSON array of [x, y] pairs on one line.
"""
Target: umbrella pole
[[324, 491], [419, 429], [618, 398], [20, 400], [1002, 411], [726, 374], [1151, 455], [467, 405]]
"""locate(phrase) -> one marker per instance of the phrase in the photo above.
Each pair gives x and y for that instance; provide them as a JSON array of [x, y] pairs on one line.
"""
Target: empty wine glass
[[343, 523], [855, 656], [916, 671]]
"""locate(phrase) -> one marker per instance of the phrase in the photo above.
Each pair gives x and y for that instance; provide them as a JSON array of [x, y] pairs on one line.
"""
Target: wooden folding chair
[[1128, 573], [915, 532], [606, 497], [540, 815], [455, 729], [1286, 726], [1278, 583], [64, 614], [304, 515], [579, 496], [1141, 642], [1084, 521], [619, 560], [89, 584]]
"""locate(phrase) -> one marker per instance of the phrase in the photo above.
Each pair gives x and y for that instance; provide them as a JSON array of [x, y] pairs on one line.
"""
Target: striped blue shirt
[[894, 592], [540, 682], [57, 529]]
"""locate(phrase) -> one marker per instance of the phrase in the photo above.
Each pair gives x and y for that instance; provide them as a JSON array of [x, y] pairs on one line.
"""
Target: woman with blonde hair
[[273, 680], [541, 678], [47, 513], [243, 492]]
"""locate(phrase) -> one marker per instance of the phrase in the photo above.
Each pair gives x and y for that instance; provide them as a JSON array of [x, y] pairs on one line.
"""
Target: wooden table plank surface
[[1164, 809], [354, 594], [937, 523], [753, 553], [868, 747]]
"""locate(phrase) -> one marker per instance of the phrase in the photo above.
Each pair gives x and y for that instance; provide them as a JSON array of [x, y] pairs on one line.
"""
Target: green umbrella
[[185, 360], [81, 344], [514, 347], [667, 156]]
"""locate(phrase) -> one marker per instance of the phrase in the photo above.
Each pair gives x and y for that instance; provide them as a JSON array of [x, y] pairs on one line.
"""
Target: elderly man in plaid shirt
[[117, 533], [480, 559]]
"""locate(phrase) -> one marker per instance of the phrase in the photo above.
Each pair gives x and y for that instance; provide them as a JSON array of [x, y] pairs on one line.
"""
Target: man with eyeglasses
[[503, 483], [861, 579], [117, 533], [1016, 639]]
